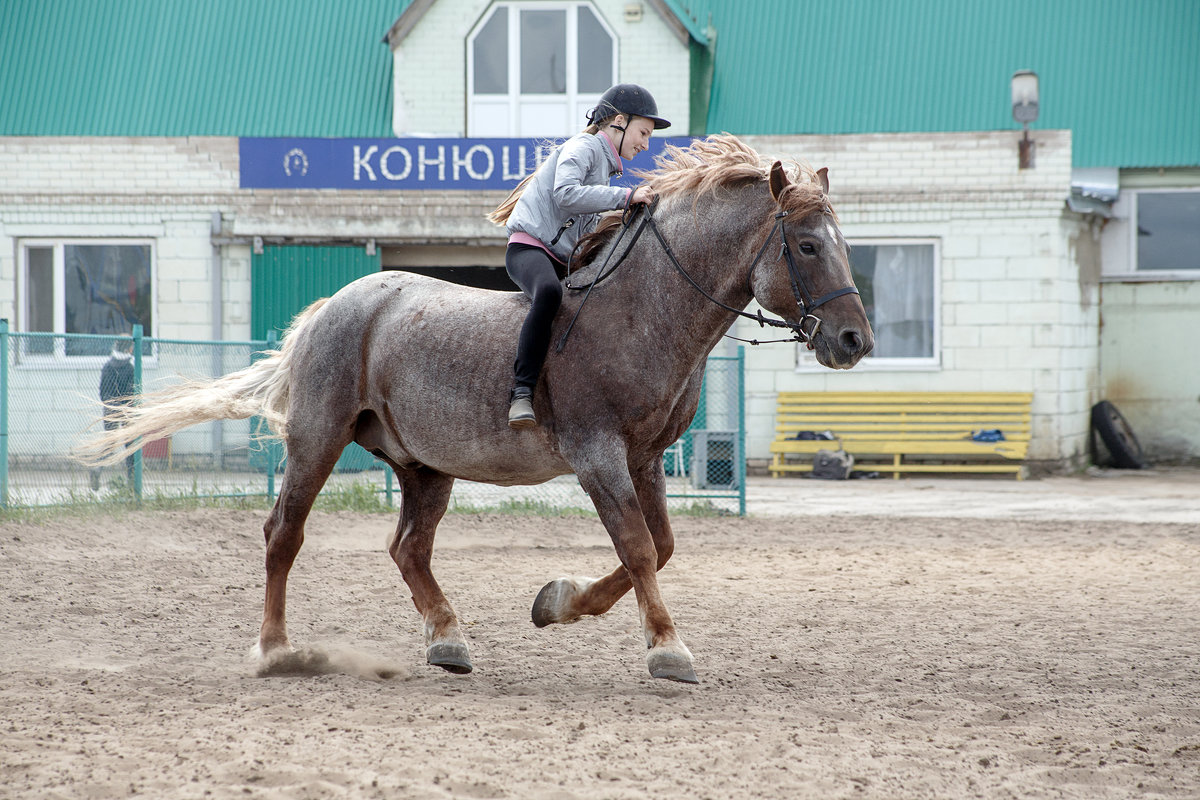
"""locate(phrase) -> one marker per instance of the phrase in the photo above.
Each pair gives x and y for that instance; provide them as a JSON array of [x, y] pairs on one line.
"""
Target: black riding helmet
[[631, 100]]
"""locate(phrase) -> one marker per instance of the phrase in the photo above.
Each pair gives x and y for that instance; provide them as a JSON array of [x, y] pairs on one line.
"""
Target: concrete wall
[[1149, 364], [430, 66]]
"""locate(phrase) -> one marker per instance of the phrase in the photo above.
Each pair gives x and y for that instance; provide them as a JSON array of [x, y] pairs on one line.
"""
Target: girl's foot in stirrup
[[520, 409]]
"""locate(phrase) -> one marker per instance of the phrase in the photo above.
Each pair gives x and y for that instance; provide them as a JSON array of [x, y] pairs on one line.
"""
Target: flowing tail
[[261, 388]]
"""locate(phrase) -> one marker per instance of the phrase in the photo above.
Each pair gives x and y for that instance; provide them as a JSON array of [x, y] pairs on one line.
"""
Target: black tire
[[1123, 447]]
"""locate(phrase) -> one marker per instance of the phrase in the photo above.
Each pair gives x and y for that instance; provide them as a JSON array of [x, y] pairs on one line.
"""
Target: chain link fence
[[50, 398]]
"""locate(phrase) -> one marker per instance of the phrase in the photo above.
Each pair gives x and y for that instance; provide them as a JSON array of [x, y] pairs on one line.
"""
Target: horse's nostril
[[851, 341]]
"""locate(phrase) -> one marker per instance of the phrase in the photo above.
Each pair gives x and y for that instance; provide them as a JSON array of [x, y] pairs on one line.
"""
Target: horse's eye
[[808, 248]]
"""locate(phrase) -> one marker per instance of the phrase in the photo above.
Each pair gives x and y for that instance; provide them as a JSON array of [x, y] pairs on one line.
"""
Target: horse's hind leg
[[568, 599], [308, 468], [424, 497]]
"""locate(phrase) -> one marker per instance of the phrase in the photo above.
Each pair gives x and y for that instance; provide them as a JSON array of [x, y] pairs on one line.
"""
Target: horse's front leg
[[424, 497], [611, 489], [568, 599]]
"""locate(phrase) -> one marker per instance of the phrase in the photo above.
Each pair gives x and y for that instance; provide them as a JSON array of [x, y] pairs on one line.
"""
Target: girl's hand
[[642, 194]]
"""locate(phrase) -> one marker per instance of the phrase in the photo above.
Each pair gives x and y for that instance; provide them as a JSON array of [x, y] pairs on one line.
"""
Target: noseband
[[800, 288]]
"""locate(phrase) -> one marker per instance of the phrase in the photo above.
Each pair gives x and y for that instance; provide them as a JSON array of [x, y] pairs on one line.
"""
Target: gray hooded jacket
[[564, 199]]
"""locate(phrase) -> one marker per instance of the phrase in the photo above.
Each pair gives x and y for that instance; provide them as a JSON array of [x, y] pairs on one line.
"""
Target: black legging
[[532, 269]]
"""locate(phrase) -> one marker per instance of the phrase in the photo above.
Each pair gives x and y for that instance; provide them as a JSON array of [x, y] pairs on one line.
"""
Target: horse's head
[[805, 276]]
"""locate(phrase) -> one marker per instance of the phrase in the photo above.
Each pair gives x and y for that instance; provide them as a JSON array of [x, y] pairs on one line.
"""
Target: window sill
[[1152, 277], [809, 364]]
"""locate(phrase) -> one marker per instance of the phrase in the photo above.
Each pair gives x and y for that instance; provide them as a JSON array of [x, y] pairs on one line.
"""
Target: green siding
[[284, 280], [187, 68], [1123, 75]]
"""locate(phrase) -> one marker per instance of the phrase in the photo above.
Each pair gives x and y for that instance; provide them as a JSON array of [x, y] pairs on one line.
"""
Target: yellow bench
[[904, 431]]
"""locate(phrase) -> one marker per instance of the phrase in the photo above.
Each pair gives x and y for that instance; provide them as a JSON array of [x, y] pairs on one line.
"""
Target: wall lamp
[[1025, 111]]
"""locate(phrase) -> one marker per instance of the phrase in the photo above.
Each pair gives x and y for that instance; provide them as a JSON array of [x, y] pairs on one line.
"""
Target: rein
[[800, 288]]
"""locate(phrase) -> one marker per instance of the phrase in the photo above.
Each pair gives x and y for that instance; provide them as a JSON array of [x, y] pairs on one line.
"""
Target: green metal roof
[[195, 67], [1123, 75]]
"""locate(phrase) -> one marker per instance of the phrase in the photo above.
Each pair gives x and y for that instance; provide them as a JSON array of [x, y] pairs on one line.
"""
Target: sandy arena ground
[[865, 639]]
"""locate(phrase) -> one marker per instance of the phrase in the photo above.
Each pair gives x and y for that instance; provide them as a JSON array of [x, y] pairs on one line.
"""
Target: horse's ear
[[779, 180], [823, 177]]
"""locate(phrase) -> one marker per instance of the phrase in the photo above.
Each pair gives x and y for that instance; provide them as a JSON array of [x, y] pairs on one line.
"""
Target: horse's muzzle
[[841, 349]]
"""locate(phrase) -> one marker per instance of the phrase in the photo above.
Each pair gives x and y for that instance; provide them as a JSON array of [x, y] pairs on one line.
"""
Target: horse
[[417, 371]]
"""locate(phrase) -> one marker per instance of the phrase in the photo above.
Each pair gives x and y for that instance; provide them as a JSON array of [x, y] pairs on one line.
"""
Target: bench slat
[[874, 425]]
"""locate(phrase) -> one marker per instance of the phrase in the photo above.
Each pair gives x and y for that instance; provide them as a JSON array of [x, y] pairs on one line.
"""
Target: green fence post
[[741, 434], [4, 413], [137, 389]]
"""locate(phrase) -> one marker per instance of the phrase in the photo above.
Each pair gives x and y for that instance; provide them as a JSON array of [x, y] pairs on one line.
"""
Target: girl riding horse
[[548, 212]]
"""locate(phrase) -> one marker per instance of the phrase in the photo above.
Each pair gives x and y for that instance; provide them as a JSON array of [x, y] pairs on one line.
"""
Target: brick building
[[980, 274]]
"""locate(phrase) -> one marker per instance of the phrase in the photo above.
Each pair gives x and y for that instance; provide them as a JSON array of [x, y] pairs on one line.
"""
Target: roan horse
[[416, 370]]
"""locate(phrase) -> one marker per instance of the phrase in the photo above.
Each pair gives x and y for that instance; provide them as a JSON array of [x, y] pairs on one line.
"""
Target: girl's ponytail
[[502, 212]]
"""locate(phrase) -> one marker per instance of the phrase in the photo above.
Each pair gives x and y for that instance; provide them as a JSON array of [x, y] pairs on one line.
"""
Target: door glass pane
[[543, 52], [107, 291], [896, 285], [39, 294], [1168, 236], [595, 65], [491, 55]]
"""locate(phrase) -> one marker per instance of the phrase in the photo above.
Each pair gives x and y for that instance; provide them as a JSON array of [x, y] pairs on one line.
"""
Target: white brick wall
[[430, 66], [1012, 314], [1014, 310]]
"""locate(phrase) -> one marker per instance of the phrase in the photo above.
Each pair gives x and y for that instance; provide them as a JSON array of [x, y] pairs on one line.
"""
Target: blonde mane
[[719, 161]]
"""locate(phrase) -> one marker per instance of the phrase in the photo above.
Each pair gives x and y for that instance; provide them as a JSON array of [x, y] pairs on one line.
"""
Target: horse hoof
[[547, 606], [555, 596], [450, 656], [546, 603], [671, 665]]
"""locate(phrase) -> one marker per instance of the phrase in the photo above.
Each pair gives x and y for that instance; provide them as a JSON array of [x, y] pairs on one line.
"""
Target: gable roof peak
[[681, 24]]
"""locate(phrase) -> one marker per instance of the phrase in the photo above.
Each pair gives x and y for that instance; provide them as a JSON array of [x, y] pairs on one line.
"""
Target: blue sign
[[403, 163]]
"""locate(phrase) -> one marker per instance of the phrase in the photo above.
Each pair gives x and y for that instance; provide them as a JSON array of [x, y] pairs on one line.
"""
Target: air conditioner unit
[[715, 459]]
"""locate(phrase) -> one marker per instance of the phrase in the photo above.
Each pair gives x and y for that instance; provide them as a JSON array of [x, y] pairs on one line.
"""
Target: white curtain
[[903, 290]]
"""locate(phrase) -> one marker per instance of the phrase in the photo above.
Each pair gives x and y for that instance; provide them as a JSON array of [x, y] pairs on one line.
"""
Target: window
[[897, 281], [91, 287], [534, 69], [1168, 231]]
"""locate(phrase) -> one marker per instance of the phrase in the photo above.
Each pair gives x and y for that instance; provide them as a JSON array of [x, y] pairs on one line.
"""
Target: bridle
[[800, 288]]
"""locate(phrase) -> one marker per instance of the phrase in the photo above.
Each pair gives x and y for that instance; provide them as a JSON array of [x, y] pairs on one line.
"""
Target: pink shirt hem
[[521, 237]]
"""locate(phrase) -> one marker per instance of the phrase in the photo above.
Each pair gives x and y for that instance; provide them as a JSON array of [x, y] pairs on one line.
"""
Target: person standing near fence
[[116, 391]]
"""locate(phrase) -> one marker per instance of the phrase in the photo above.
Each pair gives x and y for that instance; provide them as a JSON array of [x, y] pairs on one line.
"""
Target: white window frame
[[576, 103], [1150, 274], [59, 355], [806, 360]]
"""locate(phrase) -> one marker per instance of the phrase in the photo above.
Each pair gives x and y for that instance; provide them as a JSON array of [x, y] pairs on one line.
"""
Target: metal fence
[[50, 399]]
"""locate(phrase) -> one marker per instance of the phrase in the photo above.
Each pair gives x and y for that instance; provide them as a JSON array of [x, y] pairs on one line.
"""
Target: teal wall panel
[[1122, 75], [284, 280]]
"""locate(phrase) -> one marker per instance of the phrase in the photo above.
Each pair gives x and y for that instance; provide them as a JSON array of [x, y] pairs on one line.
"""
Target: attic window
[[536, 68]]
